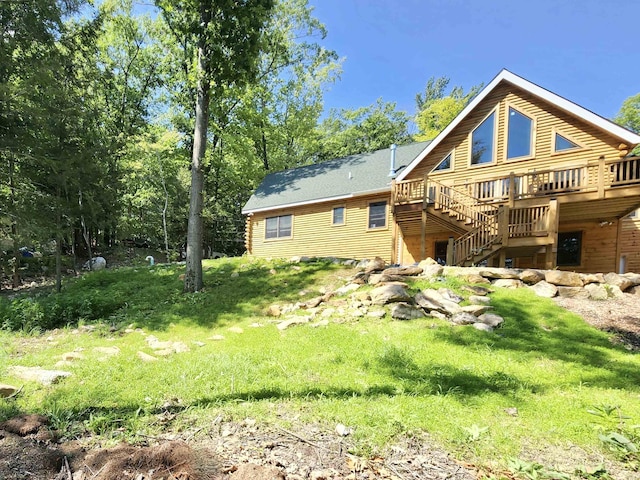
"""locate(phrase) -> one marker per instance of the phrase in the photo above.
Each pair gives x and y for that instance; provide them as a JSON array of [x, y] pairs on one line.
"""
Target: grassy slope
[[383, 377]]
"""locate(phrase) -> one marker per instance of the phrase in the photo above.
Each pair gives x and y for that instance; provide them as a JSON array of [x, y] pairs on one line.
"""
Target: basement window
[[378, 215], [278, 227], [482, 139], [569, 249]]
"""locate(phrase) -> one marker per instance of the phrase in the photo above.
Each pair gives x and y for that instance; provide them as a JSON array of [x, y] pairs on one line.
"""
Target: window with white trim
[[338, 216], [278, 227], [378, 214], [520, 135], [445, 163], [482, 140], [562, 143]]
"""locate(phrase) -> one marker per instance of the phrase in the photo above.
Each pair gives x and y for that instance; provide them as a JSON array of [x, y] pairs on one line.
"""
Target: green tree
[[629, 117], [227, 37], [436, 109], [366, 129]]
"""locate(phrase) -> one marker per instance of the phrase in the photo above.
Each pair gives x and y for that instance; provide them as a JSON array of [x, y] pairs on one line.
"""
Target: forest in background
[[98, 110]]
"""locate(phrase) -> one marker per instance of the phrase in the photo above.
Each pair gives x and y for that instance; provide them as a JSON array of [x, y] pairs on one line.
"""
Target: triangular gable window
[[563, 143], [445, 164]]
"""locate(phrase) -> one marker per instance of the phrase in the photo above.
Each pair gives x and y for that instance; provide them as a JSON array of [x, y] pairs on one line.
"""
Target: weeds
[[621, 439]]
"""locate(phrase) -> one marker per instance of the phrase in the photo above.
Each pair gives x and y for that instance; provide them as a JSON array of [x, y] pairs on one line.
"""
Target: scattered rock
[[71, 356], [513, 411], [404, 311], [477, 290], [475, 278], [491, 319], [482, 327], [251, 471], [464, 318], [7, 390], [450, 295], [350, 287], [343, 430], [561, 278], [508, 283], [614, 291], [274, 311], [591, 278], [145, 357], [476, 310], [431, 299], [375, 265], [37, 374], [376, 313], [321, 323], [108, 351], [479, 300], [293, 321], [491, 272], [236, 330], [411, 271], [544, 289], [388, 294], [216, 338]]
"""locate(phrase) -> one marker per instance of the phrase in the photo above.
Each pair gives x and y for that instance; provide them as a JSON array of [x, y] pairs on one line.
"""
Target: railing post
[[503, 224], [394, 196], [601, 177], [512, 187], [449, 260], [552, 232]]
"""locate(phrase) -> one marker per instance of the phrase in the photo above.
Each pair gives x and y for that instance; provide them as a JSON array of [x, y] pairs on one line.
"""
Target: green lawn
[[383, 377]]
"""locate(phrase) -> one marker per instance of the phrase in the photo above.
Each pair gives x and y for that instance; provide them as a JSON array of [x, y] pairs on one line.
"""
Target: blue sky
[[584, 50]]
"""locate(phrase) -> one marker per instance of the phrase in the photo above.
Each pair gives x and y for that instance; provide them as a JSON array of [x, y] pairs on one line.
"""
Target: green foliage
[[436, 109], [622, 439], [629, 116], [534, 471], [366, 129]]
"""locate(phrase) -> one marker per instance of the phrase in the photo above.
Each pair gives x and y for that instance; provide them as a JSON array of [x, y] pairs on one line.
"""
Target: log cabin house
[[521, 177]]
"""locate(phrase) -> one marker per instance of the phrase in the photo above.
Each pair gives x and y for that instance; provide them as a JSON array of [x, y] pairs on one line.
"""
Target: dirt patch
[[620, 316], [233, 451]]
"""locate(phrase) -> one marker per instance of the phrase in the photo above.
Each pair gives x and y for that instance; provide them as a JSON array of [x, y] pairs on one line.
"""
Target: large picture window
[[520, 135], [569, 248], [377, 214], [482, 141], [278, 227]]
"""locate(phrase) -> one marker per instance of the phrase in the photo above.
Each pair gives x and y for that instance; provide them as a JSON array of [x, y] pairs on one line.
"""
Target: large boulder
[[96, 263], [464, 318], [479, 300], [431, 299], [596, 291], [508, 283], [389, 293], [619, 281], [634, 277], [375, 265], [531, 276], [491, 319], [37, 374], [573, 292], [544, 289], [562, 278], [588, 278]]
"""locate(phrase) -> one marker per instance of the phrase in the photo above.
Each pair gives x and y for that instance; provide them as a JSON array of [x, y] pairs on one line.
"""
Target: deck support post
[[423, 223], [449, 260], [552, 231], [601, 177], [512, 187]]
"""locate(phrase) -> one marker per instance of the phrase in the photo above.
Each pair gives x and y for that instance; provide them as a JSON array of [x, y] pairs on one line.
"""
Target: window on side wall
[[378, 215], [278, 227], [562, 144], [520, 135], [569, 249], [338, 216], [482, 140]]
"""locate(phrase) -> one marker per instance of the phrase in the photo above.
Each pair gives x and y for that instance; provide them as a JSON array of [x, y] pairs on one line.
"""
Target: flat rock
[[145, 357], [544, 289], [450, 295], [477, 289], [216, 338], [7, 390], [531, 276], [634, 277], [404, 311], [573, 292], [476, 310], [389, 293], [475, 278], [350, 287], [463, 318], [508, 283], [491, 319], [491, 272], [619, 281], [376, 313], [410, 271], [596, 291], [563, 279], [236, 330], [108, 351], [479, 300], [293, 321], [431, 299], [374, 278], [37, 374]]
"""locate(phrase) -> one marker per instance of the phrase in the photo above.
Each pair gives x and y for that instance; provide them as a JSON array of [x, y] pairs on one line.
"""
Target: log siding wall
[[313, 233]]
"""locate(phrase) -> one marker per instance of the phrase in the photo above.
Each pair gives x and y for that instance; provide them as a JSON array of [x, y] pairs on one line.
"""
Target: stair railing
[[460, 205]]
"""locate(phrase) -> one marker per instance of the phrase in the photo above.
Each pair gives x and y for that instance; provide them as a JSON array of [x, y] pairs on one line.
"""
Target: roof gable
[[333, 180], [559, 102]]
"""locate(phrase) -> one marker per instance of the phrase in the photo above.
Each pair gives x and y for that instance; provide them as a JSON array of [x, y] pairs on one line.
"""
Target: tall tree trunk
[[14, 223], [58, 247], [193, 275]]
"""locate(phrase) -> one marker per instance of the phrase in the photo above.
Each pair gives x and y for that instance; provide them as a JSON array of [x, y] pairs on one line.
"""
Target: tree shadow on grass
[[537, 328]]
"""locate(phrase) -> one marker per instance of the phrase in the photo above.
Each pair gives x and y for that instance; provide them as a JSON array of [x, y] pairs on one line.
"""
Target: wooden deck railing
[[595, 176]]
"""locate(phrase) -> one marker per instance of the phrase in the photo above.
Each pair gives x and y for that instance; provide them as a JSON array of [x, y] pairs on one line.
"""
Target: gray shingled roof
[[353, 175]]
